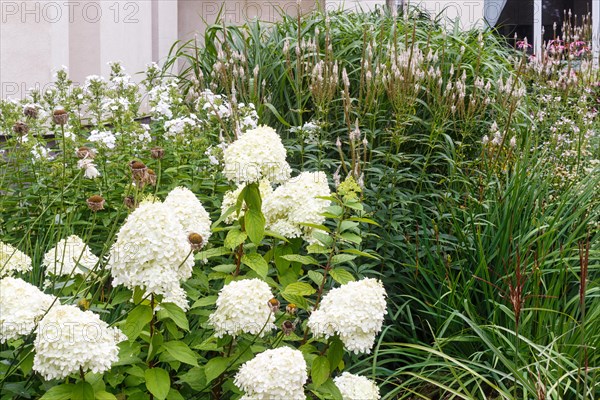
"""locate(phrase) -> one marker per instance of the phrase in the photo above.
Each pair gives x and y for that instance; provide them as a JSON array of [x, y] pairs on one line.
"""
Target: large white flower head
[[356, 387], [21, 305], [13, 260], [190, 212], [152, 251], [70, 256], [243, 307], [297, 202], [68, 338], [275, 374], [230, 199], [354, 311], [257, 154]]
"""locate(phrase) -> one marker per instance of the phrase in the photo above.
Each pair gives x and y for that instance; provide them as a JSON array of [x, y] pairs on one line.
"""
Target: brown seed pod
[[288, 327], [31, 112], [274, 304], [195, 240], [150, 177], [157, 153], [20, 128], [291, 309], [138, 170], [129, 202], [85, 152], [60, 116], [96, 203]]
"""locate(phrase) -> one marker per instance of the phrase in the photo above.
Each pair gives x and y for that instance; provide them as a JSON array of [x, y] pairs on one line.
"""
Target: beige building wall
[[195, 15], [468, 12]]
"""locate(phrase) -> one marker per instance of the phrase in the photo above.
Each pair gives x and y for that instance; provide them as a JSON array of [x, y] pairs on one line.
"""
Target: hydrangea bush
[[175, 256]]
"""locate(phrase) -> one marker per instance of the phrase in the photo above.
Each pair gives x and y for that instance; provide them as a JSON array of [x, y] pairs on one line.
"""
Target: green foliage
[[488, 248], [460, 228]]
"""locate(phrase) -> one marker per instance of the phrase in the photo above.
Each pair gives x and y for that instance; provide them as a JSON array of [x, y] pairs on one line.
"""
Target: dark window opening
[[517, 17]]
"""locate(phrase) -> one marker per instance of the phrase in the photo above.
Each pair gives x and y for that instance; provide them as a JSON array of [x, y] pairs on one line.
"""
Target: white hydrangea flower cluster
[[355, 322], [273, 374], [152, 251], [230, 199], [70, 256], [243, 307], [68, 338], [257, 154], [13, 260], [105, 138], [190, 212], [296, 203], [22, 304], [356, 387]]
